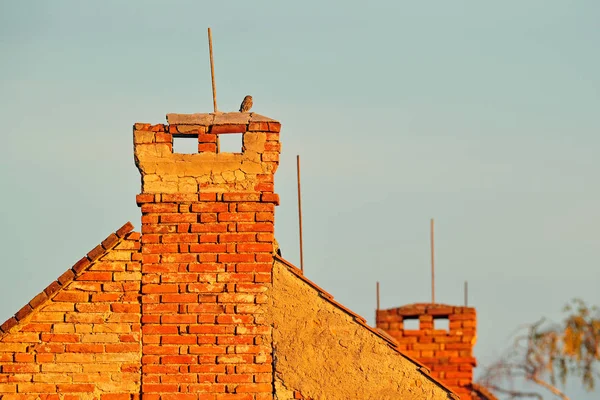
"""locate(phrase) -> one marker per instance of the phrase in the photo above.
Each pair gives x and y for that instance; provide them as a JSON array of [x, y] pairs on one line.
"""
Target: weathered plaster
[[166, 172], [321, 352]]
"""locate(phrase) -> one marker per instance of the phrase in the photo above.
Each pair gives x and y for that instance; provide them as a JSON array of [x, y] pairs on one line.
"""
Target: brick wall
[[447, 352], [207, 243], [80, 337]]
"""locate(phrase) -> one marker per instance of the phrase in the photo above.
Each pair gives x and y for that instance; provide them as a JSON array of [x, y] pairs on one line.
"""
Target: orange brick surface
[[447, 353], [85, 340]]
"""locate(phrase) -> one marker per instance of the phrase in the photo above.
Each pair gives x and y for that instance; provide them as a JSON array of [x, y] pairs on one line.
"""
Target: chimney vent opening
[[185, 145], [441, 323], [411, 324], [230, 143]]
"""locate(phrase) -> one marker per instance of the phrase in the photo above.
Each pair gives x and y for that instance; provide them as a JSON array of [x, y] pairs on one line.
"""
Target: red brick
[[207, 147], [240, 196], [258, 126], [257, 267], [122, 231], [272, 146], [236, 216], [23, 312], [144, 198], [71, 296], [237, 237], [160, 248], [254, 247], [160, 208], [84, 348], [157, 128], [24, 358], [274, 127], [232, 128], [235, 258], [96, 276], [66, 277], [93, 255], [264, 187], [256, 207], [210, 228], [163, 138], [255, 388], [256, 227], [265, 216], [207, 138], [75, 388], [207, 248], [177, 218], [123, 348], [208, 196], [180, 238], [270, 198], [39, 299], [160, 329], [84, 262], [179, 359], [59, 337], [180, 298], [52, 288], [110, 241]]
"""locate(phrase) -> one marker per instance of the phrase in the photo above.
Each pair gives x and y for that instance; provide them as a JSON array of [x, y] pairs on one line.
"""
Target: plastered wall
[[322, 353]]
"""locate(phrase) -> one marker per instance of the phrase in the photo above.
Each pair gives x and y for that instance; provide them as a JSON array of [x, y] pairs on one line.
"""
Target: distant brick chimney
[[439, 336], [207, 244]]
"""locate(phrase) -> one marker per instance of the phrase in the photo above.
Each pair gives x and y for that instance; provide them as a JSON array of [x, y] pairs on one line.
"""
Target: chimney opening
[[441, 323], [230, 143], [185, 145], [411, 324]]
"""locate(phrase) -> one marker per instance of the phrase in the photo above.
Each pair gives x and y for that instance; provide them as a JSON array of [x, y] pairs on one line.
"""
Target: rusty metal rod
[[300, 214], [212, 70], [377, 295], [432, 264]]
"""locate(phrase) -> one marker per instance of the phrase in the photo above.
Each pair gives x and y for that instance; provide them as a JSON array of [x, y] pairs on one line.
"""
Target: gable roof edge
[[67, 277], [392, 343]]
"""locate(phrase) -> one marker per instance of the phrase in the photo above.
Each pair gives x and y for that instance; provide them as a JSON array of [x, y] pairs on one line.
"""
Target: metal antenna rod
[[377, 311], [377, 295], [466, 293], [432, 264], [212, 70], [300, 213]]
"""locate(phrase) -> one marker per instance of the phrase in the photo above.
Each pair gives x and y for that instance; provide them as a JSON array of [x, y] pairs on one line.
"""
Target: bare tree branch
[[516, 394], [551, 388], [548, 352]]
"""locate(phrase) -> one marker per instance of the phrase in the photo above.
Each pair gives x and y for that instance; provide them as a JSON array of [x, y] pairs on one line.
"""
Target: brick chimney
[[207, 244], [439, 336]]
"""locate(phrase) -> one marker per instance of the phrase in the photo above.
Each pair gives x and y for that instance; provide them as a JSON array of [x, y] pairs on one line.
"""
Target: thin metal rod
[[300, 213], [212, 70], [466, 293], [432, 264], [377, 295]]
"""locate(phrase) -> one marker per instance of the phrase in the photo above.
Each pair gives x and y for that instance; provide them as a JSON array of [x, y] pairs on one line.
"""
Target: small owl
[[246, 104]]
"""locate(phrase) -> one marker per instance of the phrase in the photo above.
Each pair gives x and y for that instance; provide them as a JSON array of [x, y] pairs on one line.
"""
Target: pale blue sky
[[482, 115]]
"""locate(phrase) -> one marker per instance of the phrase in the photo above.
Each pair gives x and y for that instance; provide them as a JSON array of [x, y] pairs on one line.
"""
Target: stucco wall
[[321, 352]]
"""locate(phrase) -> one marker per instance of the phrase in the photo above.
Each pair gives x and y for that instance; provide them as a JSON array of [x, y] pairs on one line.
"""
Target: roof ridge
[[68, 276], [392, 343]]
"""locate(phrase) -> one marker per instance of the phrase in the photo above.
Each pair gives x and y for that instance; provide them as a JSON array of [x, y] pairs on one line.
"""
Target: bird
[[246, 104], [276, 248]]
